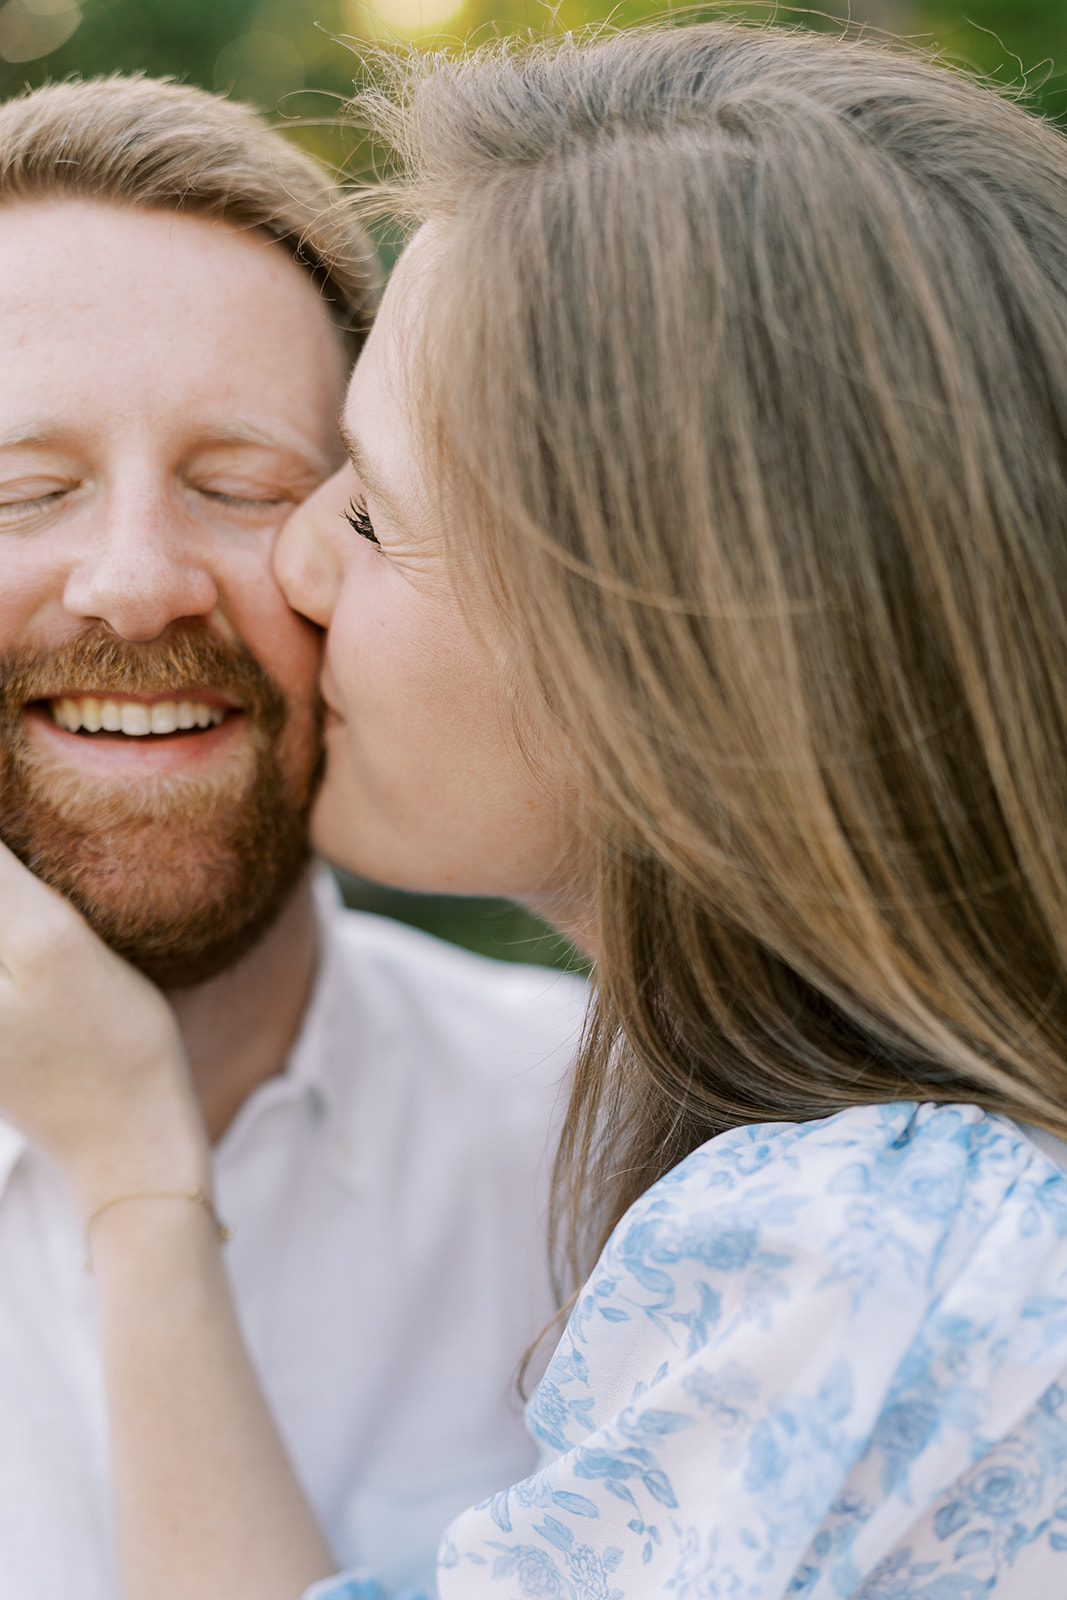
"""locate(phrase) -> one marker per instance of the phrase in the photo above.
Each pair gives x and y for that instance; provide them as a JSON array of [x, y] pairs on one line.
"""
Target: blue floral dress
[[815, 1360]]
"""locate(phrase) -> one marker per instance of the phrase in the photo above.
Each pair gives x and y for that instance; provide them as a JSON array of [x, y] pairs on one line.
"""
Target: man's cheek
[[12, 760]]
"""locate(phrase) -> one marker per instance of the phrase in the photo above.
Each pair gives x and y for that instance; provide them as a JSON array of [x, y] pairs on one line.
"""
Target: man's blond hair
[[167, 146]]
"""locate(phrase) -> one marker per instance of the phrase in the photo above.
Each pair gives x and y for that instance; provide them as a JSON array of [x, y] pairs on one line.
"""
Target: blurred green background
[[294, 57], [297, 59]]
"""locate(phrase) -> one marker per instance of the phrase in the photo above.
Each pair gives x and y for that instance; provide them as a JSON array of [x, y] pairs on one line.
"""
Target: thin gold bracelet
[[199, 1197]]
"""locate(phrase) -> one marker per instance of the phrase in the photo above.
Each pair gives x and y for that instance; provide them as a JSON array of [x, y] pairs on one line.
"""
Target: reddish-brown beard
[[181, 876]]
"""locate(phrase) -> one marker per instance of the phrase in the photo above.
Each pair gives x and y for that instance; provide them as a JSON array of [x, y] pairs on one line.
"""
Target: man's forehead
[[63, 261], [107, 313]]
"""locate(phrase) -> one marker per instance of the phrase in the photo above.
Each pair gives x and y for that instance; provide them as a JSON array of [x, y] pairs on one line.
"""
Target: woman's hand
[[91, 1063], [92, 1070]]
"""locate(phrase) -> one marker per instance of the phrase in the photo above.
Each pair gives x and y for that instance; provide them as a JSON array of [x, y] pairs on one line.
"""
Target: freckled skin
[[426, 784]]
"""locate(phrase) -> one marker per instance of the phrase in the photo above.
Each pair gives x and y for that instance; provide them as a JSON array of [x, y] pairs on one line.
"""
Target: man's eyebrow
[[232, 432], [31, 434], [279, 436]]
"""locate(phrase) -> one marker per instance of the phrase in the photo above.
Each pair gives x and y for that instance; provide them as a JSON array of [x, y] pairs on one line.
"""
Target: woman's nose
[[308, 559]]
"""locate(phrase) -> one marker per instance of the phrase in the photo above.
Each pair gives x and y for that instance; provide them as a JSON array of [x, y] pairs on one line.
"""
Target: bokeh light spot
[[405, 19], [33, 28]]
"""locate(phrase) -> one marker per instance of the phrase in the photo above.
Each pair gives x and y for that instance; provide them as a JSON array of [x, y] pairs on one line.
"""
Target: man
[[180, 298]]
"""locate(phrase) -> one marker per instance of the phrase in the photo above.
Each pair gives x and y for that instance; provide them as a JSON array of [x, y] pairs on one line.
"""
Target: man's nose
[[140, 571]]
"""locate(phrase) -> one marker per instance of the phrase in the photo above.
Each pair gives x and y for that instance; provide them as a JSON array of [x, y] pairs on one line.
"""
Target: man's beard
[[181, 875]]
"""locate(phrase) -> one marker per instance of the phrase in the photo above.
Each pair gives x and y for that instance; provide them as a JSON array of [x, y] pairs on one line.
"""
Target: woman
[[705, 586]]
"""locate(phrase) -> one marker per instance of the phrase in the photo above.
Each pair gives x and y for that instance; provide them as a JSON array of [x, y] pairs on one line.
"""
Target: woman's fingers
[[36, 923], [91, 1063]]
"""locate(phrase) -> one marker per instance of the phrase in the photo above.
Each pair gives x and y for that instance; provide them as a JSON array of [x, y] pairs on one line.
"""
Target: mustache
[[180, 875], [99, 662]]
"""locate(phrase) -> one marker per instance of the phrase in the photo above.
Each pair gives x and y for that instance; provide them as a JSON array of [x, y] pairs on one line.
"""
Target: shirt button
[[316, 1102]]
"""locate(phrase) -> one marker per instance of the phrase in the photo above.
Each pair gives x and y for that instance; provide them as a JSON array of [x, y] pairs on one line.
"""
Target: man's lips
[[203, 692], [133, 758], [136, 716]]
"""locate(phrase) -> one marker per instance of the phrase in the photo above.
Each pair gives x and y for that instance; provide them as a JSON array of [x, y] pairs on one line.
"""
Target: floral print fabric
[[815, 1360]]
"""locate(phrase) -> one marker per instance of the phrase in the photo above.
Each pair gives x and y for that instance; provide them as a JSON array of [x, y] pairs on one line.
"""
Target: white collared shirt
[[388, 1264]]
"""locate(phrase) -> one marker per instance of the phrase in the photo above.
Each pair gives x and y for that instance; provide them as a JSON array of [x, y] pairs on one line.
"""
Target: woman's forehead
[[379, 418]]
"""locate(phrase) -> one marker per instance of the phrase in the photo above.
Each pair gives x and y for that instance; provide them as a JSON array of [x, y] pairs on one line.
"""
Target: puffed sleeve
[[790, 1347]]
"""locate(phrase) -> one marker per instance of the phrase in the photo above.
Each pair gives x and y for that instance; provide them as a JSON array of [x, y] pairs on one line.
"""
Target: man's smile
[[136, 717], [105, 734]]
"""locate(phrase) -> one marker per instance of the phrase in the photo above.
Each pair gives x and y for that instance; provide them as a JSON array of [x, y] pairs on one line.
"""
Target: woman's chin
[[335, 838], [343, 833], [438, 849]]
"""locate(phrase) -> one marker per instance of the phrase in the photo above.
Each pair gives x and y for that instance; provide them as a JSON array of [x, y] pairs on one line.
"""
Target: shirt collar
[[309, 1058], [307, 1076], [12, 1145]]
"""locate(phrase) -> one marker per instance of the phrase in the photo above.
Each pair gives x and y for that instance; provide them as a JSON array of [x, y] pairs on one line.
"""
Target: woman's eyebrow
[[404, 512], [358, 457]]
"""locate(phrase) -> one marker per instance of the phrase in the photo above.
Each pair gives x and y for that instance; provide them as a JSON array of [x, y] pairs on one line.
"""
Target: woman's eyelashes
[[356, 516]]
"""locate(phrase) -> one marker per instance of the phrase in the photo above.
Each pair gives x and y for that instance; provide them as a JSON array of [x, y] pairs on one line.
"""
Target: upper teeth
[[133, 716]]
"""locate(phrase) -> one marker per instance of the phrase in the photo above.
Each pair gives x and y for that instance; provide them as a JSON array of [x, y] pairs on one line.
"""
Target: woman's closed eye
[[357, 517]]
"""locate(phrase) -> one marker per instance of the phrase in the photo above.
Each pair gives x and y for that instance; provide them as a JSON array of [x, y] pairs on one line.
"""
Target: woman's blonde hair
[[748, 382]]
